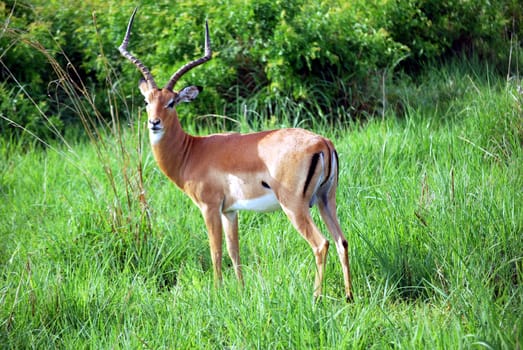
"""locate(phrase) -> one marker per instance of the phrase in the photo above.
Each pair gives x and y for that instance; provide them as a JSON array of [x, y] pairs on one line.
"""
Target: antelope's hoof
[[349, 298]]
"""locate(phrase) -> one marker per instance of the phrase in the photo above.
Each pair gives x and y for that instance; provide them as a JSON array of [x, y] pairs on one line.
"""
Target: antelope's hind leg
[[327, 207], [301, 218]]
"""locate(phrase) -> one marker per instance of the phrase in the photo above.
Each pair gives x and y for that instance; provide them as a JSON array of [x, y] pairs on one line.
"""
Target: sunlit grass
[[99, 250]]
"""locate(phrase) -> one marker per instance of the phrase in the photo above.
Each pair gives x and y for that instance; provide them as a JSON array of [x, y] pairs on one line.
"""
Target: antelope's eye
[[146, 102], [170, 104]]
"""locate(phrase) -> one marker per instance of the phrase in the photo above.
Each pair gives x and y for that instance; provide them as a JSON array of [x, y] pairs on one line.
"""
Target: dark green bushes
[[434, 29], [331, 58]]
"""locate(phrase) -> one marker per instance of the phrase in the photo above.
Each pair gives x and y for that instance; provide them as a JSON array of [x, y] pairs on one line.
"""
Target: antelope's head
[[161, 103]]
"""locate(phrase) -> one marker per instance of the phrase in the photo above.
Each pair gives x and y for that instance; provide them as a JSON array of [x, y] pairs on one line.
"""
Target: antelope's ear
[[144, 87], [188, 94]]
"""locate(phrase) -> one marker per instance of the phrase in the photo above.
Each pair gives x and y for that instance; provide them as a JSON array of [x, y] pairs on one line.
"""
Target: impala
[[291, 169]]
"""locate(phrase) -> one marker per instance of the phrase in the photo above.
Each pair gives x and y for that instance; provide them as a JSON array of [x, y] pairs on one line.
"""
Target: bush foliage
[[331, 56]]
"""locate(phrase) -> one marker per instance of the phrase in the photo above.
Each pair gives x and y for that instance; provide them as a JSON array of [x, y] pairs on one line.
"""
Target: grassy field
[[99, 250]]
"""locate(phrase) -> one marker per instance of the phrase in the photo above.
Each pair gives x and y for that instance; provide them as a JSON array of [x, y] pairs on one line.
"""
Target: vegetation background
[[332, 58], [422, 98]]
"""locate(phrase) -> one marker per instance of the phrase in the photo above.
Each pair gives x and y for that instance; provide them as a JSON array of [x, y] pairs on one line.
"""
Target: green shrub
[[16, 109], [433, 29]]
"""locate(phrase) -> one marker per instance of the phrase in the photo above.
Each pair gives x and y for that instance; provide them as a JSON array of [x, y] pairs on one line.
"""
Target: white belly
[[265, 203]]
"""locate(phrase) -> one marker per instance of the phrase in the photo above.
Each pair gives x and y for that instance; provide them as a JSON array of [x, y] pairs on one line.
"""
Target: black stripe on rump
[[329, 171], [337, 165], [312, 168]]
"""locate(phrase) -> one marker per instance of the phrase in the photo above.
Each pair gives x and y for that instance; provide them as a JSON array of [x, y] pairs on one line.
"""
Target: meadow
[[99, 250]]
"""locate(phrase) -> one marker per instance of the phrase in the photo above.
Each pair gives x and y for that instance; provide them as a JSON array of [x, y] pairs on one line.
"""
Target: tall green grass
[[99, 250]]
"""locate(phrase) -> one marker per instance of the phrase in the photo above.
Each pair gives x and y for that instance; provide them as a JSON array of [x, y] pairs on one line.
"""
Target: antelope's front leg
[[230, 226], [213, 222]]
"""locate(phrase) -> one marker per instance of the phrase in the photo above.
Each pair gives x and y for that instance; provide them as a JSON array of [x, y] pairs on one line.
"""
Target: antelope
[[292, 169]]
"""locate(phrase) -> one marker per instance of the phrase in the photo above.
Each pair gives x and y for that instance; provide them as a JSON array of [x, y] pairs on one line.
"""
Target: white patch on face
[[155, 136], [265, 203]]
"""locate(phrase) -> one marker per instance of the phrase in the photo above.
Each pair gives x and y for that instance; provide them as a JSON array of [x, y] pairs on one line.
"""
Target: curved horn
[[123, 50], [184, 69]]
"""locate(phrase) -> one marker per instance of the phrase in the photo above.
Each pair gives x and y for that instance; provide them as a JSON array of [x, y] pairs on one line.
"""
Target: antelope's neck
[[171, 152]]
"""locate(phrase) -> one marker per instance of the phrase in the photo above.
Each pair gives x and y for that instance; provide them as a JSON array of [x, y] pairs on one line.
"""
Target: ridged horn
[[123, 50], [184, 69]]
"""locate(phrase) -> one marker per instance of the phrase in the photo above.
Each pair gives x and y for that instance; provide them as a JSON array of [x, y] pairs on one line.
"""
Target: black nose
[[154, 122]]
